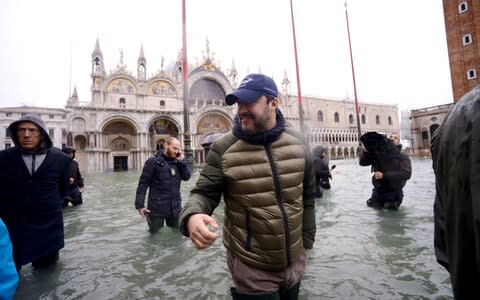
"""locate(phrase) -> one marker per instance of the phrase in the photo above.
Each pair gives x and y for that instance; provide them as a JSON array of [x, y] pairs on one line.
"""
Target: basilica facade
[[129, 115]]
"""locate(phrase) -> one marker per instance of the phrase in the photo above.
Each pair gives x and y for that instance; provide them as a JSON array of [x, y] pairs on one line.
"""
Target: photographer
[[321, 169], [391, 168]]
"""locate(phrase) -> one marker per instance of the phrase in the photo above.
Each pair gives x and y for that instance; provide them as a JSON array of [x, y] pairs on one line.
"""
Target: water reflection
[[360, 253]]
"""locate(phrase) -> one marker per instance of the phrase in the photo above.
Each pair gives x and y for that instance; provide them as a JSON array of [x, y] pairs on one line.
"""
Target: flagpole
[[299, 90], [186, 115], [71, 55], [353, 76]]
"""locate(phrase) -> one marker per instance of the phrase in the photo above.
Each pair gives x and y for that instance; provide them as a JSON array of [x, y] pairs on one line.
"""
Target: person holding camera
[[162, 175], [321, 169], [391, 169]]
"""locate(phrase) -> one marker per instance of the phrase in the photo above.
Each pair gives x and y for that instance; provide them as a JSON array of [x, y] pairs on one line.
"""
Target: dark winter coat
[[456, 162], [74, 188], [268, 186], [76, 175], [31, 205], [162, 176], [395, 166]]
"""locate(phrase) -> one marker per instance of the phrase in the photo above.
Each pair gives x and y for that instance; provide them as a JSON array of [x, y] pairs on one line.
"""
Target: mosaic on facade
[[127, 118]]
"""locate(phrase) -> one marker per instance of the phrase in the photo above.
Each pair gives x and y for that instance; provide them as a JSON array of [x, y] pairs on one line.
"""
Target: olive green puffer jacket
[[269, 194]]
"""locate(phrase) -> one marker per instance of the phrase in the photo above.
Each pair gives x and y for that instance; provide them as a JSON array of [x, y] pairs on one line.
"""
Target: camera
[[374, 141]]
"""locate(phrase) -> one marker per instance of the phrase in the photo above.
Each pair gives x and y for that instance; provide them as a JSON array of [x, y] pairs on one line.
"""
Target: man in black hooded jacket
[[33, 181]]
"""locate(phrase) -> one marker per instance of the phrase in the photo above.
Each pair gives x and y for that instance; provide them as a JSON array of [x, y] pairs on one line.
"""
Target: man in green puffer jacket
[[264, 170]]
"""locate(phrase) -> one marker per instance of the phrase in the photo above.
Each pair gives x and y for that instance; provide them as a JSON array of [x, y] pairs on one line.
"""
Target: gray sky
[[399, 46]]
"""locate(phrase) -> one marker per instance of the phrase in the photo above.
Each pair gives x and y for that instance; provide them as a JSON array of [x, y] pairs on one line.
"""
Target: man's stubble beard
[[259, 125]]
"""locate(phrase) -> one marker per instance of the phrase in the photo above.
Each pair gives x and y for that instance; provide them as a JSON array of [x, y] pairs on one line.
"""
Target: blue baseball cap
[[251, 88]]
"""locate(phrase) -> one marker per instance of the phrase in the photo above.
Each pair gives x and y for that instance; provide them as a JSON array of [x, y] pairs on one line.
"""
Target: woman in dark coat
[[33, 180]]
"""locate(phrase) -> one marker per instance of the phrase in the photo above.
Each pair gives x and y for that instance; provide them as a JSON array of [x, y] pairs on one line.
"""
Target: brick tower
[[462, 25]]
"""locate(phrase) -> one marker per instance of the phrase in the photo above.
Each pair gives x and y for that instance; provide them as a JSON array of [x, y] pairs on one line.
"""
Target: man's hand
[[143, 211], [378, 175], [197, 227], [180, 156]]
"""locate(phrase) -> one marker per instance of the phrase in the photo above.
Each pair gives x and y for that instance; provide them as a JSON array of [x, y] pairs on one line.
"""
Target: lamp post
[[186, 114]]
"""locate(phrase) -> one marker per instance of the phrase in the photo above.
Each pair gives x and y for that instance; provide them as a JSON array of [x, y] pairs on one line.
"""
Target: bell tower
[[98, 72]]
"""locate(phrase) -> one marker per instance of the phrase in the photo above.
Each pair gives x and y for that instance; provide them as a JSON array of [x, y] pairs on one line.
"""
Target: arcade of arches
[[130, 114]]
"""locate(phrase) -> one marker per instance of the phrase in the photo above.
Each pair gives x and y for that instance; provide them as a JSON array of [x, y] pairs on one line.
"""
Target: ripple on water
[[359, 253]]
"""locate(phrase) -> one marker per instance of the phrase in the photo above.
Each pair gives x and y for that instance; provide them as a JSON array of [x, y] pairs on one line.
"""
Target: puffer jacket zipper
[[278, 197]]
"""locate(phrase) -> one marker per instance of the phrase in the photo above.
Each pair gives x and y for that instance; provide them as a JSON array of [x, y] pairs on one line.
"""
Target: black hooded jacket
[[320, 163], [32, 185], [395, 166], [456, 163]]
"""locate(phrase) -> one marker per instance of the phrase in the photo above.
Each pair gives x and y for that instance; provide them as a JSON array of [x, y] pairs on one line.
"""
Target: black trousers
[[156, 222], [386, 199]]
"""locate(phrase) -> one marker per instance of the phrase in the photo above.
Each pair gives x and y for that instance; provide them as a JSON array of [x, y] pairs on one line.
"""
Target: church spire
[[98, 69], [73, 99], [232, 74], [141, 65], [74, 94]]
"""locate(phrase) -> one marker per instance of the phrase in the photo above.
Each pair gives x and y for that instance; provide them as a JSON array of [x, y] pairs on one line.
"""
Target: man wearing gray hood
[[33, 180]]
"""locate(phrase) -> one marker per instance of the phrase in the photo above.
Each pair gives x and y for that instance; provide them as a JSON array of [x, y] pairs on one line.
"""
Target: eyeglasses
[[32, 131]]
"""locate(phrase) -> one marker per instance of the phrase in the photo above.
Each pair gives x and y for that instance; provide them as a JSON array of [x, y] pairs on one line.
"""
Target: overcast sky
[[399, 46]]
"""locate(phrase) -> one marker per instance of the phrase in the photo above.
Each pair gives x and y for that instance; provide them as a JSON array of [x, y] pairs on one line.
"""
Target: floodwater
[[359, 253]]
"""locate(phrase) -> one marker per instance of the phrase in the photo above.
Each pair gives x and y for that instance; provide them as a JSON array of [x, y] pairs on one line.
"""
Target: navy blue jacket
[[31, 205], [162, 176]]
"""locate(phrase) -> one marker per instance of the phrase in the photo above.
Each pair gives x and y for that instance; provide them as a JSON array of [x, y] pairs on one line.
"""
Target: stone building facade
[[129, 115], [423, 124]]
